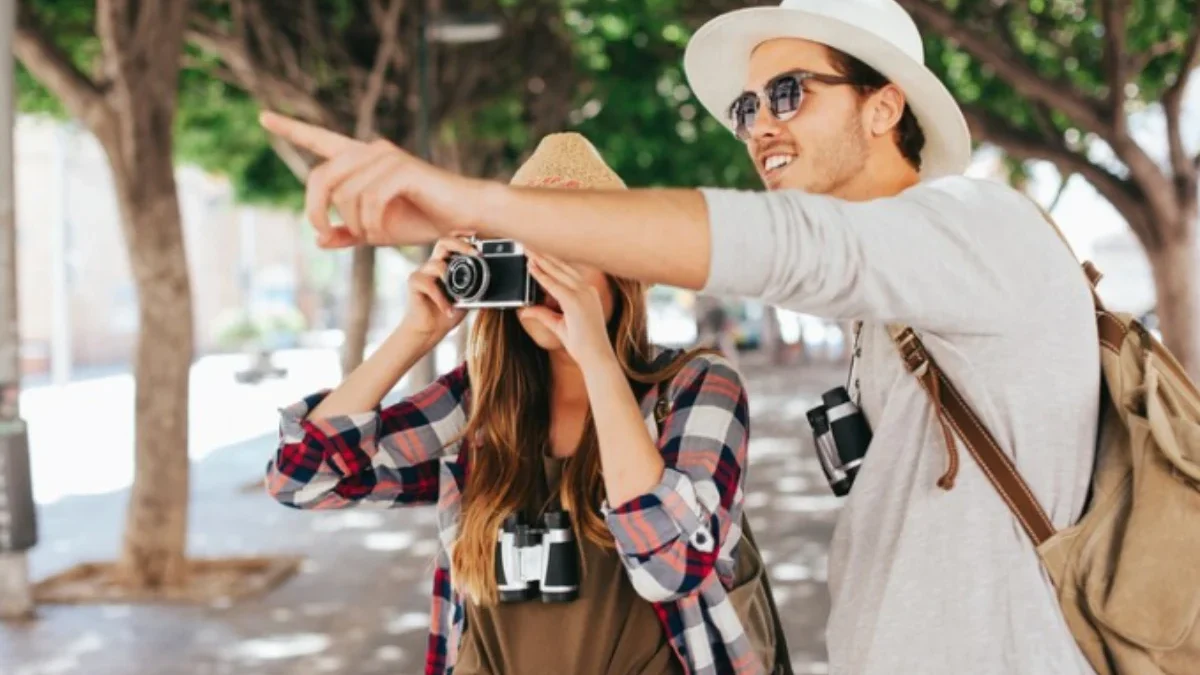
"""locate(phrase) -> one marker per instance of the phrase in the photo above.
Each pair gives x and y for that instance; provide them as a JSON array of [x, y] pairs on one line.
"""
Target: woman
[[554, 409]]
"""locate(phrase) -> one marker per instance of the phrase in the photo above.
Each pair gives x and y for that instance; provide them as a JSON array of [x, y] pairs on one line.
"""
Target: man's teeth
[[777, 162]]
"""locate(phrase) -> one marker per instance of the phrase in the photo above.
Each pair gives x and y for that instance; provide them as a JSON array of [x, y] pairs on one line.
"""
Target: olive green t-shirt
[[608, 630]]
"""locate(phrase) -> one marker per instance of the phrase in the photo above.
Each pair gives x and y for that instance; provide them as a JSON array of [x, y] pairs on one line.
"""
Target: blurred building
[[77, 296]]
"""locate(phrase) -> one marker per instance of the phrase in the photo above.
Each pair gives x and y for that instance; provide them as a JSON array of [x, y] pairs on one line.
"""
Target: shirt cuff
[[352, 431], [658, 518]]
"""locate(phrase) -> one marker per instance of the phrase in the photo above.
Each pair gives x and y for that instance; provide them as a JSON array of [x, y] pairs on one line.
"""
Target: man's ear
[[886, 110]]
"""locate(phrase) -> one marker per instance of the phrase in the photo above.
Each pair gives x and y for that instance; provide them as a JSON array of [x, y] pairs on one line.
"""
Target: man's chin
[[783, 180]]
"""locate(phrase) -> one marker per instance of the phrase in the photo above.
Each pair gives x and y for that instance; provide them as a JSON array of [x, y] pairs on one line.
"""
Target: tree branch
[[274, 90], [1011, 67], [277, 51], [310, 28], [1113, 13], [389, 27], [1124, 195], [1172, 102], [53, 68], [1062, 190], [1138, 62]]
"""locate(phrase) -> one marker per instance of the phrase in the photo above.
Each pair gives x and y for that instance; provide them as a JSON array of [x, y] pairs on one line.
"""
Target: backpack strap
[[955, 416], [954, 412], [783, 655]]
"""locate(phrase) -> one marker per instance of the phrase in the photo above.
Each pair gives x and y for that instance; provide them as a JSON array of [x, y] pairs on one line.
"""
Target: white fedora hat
[[877, 32]]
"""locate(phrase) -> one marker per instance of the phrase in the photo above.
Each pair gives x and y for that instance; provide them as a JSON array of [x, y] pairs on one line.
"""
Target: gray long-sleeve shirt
[[925, 580]]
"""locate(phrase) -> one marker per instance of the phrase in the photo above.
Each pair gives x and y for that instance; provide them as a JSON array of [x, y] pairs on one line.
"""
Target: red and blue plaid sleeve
[[387, 457], [672, 537]]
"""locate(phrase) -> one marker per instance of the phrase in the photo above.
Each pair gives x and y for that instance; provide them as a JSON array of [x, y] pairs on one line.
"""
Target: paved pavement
[[360, 603]]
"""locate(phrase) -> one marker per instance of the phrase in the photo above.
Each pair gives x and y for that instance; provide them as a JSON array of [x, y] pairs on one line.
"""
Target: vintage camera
[[533, 561], [842, 435], [497, 278]]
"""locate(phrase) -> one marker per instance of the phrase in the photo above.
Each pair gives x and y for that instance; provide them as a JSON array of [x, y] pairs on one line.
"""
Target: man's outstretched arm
[[388, 198], [655, 236], [940, 256]]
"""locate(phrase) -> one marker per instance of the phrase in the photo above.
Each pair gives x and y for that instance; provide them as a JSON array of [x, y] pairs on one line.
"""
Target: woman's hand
[[580, 326], [431, 315]]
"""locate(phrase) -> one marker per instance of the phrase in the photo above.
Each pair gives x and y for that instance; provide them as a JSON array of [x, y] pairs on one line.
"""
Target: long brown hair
[[509, 429]]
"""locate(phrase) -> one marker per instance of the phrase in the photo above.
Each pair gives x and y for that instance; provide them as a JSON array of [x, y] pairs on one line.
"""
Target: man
[[715, 328], [869, 219]]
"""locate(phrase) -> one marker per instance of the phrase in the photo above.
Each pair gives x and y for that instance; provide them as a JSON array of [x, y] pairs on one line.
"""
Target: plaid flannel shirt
[[677, 542]]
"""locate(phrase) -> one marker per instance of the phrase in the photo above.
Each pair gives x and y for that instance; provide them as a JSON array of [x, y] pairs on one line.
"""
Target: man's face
[[825, 144]]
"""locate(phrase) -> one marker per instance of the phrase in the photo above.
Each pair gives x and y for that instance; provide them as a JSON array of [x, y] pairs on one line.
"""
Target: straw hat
[[567, 160]]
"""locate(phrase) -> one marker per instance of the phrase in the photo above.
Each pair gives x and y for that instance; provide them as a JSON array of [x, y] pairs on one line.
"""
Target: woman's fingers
[[552, 283], [447, 245], [559, 269], [428, 286]]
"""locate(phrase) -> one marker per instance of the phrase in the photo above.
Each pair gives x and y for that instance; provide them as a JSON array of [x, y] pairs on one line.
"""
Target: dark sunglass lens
[[785, 95], [743, 112]]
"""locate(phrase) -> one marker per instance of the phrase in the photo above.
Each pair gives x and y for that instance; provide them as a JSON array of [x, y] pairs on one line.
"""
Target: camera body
[[537, 561], [842, 436], [497, 278]]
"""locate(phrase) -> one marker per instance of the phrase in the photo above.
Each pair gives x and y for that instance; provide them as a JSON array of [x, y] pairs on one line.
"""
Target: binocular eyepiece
[[533, 561]]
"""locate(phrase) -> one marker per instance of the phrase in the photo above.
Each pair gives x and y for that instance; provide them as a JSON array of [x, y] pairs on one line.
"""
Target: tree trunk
[[422, 373], [139, 153], [156, 522], [132, 113], [1174, 265], [358, 316]]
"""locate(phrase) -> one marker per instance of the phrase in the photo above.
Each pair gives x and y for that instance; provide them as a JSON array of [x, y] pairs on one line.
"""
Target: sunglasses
[[784, 93]]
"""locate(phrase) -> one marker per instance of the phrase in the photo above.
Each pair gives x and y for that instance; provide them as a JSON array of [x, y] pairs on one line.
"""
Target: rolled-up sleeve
[[383, 457], [671, 538]]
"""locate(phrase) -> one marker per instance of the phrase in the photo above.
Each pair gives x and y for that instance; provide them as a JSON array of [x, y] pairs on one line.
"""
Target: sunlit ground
[[81, 433], [360, 602]]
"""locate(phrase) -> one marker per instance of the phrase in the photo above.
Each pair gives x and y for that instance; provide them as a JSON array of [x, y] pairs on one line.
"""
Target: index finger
[[316, 139], [448, 245]]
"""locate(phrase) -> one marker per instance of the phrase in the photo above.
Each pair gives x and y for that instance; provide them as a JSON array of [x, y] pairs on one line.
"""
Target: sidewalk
[[360, 603]]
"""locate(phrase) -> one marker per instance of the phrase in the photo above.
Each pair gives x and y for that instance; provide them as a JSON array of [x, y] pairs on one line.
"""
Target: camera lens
[[466, 278]]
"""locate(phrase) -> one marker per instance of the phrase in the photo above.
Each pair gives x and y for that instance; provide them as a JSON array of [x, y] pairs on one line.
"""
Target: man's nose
[[765, 125]]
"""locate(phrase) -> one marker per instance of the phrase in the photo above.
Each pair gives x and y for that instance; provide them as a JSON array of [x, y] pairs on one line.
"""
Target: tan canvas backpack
[[1128, 573]]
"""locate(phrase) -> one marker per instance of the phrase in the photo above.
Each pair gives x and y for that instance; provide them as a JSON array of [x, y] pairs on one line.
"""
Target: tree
[[1059, 81], [635, 104], [349, 65], [128, 104]]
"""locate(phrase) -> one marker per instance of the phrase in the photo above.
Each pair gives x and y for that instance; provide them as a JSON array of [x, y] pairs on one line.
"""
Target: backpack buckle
[[913, 352]]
